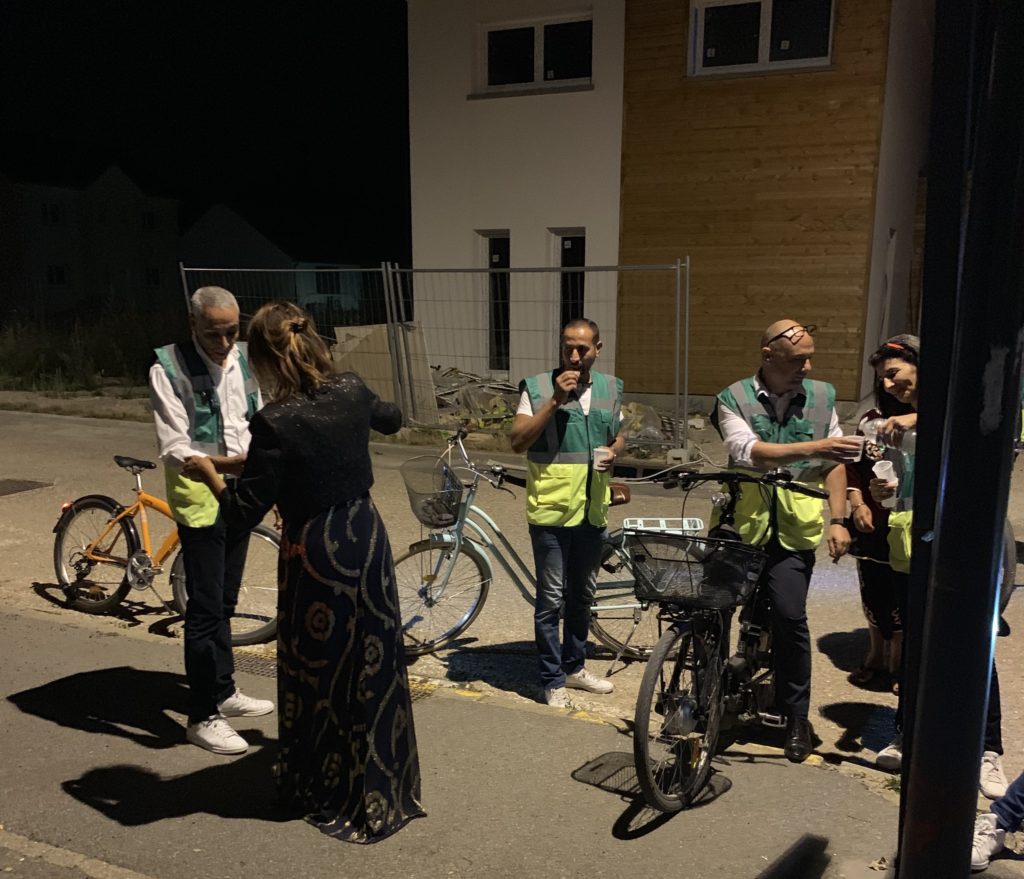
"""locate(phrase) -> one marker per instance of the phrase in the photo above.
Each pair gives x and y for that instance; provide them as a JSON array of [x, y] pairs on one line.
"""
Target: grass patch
[[892, 783]]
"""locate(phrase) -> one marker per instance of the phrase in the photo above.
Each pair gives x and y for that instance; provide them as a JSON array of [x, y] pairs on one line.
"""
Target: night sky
[[294, 115]]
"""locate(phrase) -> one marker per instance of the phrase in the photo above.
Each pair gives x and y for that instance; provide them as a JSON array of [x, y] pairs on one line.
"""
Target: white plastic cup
[[887, 471], [602, 455], [860, 452]]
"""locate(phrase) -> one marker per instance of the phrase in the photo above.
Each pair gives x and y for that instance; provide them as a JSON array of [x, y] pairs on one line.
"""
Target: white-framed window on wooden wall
[[757, 36], [539, 55]]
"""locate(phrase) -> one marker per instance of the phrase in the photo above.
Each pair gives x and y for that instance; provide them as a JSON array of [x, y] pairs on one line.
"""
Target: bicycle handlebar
[[780, 478]]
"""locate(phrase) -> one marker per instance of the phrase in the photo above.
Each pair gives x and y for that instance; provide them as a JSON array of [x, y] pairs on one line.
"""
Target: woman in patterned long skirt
[[347, 748]]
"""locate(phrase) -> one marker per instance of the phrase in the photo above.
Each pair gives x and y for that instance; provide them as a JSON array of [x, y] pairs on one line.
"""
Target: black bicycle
[[692, 688]]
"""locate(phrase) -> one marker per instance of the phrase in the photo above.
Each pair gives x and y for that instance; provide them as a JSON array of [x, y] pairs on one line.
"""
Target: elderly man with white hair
[[203, 396]]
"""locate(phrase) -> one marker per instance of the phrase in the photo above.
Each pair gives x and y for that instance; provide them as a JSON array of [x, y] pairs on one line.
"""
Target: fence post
[[398, 304], [392, 341], [675, 383], [184, 287]]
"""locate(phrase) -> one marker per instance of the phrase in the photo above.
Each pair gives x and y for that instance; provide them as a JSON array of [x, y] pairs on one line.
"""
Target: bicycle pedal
[[773, 720]]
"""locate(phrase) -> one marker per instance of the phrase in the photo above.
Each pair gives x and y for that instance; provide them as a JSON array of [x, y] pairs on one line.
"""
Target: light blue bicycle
[[443, 580]]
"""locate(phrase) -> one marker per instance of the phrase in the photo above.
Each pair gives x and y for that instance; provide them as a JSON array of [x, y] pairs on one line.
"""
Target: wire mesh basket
[[435, 491], [694, 571]]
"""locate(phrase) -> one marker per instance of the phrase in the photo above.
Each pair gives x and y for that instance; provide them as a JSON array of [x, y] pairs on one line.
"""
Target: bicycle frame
[[138, 509]]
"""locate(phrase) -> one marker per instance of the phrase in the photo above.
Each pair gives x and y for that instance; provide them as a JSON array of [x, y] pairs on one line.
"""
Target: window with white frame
[[537, 55], [753, 36]]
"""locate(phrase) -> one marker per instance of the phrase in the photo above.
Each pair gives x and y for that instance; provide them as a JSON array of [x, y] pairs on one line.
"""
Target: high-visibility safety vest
[[562, 487], [901, 519], [192, 503], [809, 417]]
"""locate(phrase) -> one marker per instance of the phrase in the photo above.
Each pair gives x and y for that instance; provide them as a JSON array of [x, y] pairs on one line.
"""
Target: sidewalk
[[97, 767]]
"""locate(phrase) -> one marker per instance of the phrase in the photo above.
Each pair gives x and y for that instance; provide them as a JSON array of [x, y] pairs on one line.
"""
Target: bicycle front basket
[[693, 571], [435, 492]]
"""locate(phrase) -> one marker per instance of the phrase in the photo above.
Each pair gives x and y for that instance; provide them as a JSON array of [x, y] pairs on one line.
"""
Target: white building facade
[[515, 112]]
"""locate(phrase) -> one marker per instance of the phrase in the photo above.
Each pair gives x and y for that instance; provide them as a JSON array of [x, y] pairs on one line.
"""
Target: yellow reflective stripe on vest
[[556, 495], [191, 502], [900, 523], [801, 524]]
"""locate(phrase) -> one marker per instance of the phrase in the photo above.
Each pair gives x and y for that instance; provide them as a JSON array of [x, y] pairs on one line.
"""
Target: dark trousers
[[566, 562], [214, 557], [787, 577]]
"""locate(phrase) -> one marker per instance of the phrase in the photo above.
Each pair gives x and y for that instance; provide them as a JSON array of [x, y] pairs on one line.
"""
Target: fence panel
[[405, 330]]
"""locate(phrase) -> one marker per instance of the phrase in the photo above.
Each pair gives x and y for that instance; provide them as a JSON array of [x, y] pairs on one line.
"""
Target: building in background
[[780, 144]]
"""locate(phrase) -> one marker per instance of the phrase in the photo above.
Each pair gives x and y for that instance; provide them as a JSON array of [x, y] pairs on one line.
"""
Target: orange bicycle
[[99, 556]]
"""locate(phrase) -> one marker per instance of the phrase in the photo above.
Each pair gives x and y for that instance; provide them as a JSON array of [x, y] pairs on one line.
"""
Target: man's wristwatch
[[837, 520]]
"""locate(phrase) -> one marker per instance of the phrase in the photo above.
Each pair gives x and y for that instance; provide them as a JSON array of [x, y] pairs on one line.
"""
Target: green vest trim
[[563, 488], [192, 503], [808, 417]]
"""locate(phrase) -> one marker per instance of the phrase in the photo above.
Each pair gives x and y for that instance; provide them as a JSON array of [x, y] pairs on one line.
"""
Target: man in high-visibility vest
[[781, 418], [203, 397], [568, 424]]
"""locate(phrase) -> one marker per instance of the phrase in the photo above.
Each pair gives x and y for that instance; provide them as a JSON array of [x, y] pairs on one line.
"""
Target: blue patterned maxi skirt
[[347, 748]]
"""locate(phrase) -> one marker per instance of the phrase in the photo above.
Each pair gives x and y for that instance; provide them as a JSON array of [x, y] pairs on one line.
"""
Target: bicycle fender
[[69, 509]]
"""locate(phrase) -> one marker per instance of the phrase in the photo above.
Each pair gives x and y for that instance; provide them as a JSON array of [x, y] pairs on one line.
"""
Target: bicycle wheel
[[617, 619], [255, 617], [439, 593], [678, 712], [96, 582]]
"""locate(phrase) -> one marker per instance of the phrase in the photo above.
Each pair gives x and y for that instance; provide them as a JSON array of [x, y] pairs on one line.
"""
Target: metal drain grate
[[254, 664], [266, 667], [13, 486]]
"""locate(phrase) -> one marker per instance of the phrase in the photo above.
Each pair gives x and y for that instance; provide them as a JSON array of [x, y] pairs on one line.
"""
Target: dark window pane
[[498, 311], [574, 255], [800, 29], [731, 34], [567, 52], [510, 56]]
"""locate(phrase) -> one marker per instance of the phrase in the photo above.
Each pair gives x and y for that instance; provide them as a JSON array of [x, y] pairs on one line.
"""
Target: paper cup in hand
[[602, 457], [885, 470]]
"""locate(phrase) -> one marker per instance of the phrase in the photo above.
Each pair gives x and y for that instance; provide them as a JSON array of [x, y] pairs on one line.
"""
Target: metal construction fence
[[408, 331]]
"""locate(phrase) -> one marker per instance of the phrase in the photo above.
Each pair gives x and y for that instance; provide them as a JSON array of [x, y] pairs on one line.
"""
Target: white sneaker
[[989, 839], [215, 734], [584, 680], [891, 756], [557, 697], [993, 782], [240, 705]]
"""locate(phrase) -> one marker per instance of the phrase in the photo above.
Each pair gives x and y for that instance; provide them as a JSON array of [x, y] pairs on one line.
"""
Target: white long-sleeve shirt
[[739, 437], [172, 420]]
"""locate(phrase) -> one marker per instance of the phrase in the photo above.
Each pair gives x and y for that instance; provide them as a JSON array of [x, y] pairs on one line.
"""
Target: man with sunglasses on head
[[781, 418]]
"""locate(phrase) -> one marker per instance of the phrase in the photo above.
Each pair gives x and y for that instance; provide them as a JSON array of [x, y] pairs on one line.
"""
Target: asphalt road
[[70, 456]]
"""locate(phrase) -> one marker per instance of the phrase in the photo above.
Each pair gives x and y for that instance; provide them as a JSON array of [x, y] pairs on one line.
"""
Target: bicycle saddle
[[133, 463]]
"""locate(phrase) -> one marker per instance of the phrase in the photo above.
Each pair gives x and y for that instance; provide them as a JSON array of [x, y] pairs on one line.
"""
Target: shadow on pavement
[[132, 795], [845, 649], [511, 667], [128, 611], [807, 858], [615, 772], [121, 701], [863, 725]]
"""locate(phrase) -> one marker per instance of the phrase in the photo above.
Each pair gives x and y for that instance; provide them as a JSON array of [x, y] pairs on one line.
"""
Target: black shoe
[[798, 739]]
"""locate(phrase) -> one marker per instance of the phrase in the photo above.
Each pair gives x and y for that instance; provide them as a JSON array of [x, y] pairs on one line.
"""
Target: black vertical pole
[[975, 465], [948, 150]]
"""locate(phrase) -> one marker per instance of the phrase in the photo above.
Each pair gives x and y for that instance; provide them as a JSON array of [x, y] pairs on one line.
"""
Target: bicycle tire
[[430, 622], [255, 618], [92, 586], [677, 717], [614, 626]]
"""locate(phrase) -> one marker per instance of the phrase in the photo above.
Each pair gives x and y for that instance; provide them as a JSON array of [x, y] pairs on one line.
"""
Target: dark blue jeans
[[214, 558], [566, 560], [1009, 808]]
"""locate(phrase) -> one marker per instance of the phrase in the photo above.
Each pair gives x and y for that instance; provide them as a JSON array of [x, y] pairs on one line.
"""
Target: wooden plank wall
[[766, 181]]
